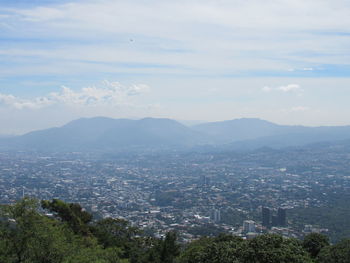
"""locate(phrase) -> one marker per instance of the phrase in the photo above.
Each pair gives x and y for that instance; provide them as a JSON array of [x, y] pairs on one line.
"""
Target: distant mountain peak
[[108, 134]]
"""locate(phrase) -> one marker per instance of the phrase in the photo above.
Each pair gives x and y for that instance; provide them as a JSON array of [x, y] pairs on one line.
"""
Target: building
[[205, 181], [274, 220], [266, 215], [215, 215], [249, 226], [282, 217]]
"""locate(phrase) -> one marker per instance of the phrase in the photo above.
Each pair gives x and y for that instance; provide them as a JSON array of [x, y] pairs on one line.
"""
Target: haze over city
[[188, 131], [282, 61]]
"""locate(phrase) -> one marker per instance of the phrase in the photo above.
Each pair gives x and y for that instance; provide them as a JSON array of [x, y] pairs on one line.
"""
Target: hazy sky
[[287, 61]]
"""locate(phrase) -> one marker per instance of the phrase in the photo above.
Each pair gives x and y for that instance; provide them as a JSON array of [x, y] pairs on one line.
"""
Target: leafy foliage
[[230, 249], [72, 214], [339, 253], [27, 235], [274, 249], [314, 242]]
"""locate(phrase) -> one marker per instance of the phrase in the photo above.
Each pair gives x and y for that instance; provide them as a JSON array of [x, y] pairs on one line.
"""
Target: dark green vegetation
[[69, 234], [334, 218]]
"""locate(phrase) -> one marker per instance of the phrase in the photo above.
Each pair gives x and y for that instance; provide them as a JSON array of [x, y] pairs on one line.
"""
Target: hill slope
[[250, 134], [106, 134]]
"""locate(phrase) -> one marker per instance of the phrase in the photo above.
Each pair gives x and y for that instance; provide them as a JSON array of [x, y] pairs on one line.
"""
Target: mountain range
[[106, 134]]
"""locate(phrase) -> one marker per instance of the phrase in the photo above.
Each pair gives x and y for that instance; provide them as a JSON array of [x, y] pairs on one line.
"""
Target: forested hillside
[[55, 231]]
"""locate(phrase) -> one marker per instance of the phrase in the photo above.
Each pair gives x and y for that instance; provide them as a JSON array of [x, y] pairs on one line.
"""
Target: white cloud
[[267, 89], [295, 88], [238, 13], [19, 103], [289, 88], [42, 14], [178, 46], [111, 94], [226, 36], [295, 110], [299, 108]]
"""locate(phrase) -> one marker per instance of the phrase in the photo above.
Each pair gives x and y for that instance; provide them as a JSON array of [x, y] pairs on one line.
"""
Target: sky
[[286, 61]]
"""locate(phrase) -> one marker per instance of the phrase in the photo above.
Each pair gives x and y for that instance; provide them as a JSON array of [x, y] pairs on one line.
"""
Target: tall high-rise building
[[282, 217], [216, 215], [274, 220], [266, 215], [249, 226], [205, 181]]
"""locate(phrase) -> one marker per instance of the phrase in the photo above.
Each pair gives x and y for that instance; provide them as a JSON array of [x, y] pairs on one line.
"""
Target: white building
[[249, 226]]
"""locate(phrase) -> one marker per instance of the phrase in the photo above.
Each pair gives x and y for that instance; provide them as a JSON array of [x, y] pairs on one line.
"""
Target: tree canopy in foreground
[[69, 234]]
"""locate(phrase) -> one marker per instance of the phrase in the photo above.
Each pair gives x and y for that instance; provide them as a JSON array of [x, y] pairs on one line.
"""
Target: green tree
[[222, 249], [194, 251], [96, 254], [339, 253], [273, 249], [169, 248], [71, 213], [112, 232], [28, 236], [314, 242]]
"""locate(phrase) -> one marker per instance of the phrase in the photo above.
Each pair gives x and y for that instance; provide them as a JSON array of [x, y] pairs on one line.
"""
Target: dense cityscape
[[194, 193], [174, 131]]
